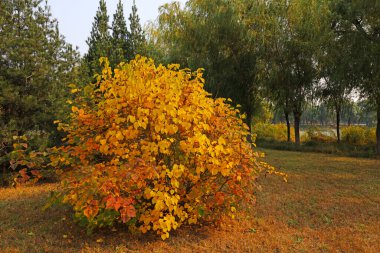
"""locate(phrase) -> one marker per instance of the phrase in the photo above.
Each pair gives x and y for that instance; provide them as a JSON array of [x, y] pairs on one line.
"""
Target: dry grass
[[330, 204]]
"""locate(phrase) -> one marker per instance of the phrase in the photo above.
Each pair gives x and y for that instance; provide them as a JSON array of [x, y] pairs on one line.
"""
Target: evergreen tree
[[36, 64], [120, 50], [136, 35], [99, 42]]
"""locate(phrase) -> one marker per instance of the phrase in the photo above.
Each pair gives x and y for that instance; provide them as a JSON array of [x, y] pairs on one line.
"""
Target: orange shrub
[[147, 146], [28, 165]]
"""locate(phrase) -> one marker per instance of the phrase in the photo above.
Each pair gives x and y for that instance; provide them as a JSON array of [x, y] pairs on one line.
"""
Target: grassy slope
[[330, 204]]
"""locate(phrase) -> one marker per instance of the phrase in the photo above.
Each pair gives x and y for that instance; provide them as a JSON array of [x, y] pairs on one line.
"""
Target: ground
[[330, 204]]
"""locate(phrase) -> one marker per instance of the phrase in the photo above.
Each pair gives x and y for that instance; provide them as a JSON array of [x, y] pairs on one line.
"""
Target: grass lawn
[[330, 204]]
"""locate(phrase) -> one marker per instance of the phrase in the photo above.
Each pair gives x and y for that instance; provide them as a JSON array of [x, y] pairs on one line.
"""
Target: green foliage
[[359, 24], [211, 35], [263, 113], [120, 47], [36, 64], [35, 67], [136, 36], [99, 42], [291, 33]]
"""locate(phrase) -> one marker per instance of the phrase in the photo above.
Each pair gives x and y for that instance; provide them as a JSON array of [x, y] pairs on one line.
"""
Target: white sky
[[75, 17]]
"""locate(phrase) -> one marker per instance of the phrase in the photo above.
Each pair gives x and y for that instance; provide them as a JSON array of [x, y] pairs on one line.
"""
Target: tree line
[[321, 114], [116, 41], [38, 67], [284, 53]]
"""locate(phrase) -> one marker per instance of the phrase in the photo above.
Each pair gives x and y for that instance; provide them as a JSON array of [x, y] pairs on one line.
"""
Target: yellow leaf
[[119, 136], [131, 118], [165, 236]]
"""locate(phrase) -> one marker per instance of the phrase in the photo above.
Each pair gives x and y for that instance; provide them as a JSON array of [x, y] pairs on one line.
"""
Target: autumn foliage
[[147, 146]]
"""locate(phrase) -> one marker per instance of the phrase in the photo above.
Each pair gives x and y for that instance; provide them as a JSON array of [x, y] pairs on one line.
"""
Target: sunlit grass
[[330, 204]]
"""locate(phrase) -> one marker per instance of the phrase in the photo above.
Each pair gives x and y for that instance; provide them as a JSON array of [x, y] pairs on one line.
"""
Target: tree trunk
[[337, 109], [378, 130], [3, 180], [287, 124], [297, 120], [249, 124]]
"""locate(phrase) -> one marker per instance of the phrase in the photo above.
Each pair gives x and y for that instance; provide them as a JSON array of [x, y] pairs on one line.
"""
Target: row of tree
[[322, 114], [285, 52], [37, 65], [116, 42]]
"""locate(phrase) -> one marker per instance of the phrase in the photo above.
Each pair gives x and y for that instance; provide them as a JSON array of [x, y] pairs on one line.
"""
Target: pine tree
[[99, 42], [36, 64], [136, 35], [120, 50]]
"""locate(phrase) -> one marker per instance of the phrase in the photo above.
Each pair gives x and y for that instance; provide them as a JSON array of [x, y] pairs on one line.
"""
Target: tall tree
[[269, 25], [36, 64], [337, 76], [211, 35], [120, 49], [136, 36], [99, 42], [360, 23], [292, 33]]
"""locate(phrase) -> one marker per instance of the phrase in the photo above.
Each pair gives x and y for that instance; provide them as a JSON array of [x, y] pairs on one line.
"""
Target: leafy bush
[[359, 135], [147, 146], [271, 132], [370, 136], [317, 135], [24, 159]]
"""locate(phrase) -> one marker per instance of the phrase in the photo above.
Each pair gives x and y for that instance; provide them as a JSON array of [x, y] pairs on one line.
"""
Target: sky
[[75, 17]]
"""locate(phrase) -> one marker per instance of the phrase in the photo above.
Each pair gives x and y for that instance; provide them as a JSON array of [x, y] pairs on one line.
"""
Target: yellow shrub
[[359, 135], [147, 146], [370, 136], [315, 134], [272, 132]]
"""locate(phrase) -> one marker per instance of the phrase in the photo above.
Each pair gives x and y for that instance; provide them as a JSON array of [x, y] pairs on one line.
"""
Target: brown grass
[[330, 204]]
